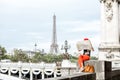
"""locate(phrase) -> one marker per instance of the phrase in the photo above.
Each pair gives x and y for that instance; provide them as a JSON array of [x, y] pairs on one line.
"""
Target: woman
[[86, 46], [82, 58]]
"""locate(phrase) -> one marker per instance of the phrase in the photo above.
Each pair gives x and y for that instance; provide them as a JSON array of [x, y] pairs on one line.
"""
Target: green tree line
[[19, 55]]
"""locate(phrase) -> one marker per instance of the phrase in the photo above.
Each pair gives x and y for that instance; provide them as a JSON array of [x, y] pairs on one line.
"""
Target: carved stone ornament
[[109, 56], [108, 10]]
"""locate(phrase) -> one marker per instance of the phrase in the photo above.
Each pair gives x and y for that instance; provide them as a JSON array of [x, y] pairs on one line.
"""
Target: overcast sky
[[26, 22]]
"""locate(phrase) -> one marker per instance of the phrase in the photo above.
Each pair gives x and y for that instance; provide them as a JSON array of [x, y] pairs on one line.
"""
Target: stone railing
[[77, 76], [36, 70], [103, 71]]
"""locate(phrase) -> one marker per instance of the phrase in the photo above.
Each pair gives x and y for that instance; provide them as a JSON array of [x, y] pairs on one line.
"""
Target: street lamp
[[35, 47], [66, 47], [66, 62]]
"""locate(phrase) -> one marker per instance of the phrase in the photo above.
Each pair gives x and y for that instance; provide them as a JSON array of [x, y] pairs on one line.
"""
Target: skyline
[[26, 22]]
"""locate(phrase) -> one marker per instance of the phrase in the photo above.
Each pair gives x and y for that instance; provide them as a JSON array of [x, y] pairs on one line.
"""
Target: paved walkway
[[7, 77]]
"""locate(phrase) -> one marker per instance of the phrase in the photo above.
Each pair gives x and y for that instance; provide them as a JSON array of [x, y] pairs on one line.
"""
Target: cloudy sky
[[26, 22]]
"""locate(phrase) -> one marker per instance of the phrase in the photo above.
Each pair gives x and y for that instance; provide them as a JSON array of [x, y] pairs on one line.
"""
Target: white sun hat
[[84, 44]]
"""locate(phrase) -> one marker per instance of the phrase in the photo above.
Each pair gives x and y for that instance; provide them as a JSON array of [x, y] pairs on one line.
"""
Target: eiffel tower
[[54, 46]]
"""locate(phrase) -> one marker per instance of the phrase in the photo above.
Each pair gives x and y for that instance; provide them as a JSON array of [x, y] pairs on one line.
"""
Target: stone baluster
[[55, 69], [19, 69], [9, 72], [43, 73], [31, 74]]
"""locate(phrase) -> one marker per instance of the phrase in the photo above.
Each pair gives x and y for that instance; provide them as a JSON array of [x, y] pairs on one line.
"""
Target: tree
[[37, 57], [73, 58], [2, 53], [19, 55], [2, 50], [93, 58]]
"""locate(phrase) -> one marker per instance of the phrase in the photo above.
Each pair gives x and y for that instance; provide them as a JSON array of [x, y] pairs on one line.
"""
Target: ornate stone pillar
[[103, 29], [109, 48]]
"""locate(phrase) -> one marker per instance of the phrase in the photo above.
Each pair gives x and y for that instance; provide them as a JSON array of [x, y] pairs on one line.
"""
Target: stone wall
[[115, 74], [103, 71], [77, 76]]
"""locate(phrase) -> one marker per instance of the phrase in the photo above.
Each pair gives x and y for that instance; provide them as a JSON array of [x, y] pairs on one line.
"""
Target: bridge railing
[[35, 69]]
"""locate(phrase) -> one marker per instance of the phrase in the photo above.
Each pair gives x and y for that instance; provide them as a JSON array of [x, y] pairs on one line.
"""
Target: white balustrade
[[32, 68], [4, 70], [66, 63], [36, 71], [14, 70], [25, 71], [49, 72], [58, 72], [49, 69]]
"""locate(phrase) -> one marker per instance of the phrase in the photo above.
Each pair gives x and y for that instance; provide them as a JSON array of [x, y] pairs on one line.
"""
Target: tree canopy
[[20, 55]]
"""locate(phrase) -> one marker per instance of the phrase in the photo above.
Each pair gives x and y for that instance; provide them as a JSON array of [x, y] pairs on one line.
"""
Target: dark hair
[[86, 50]]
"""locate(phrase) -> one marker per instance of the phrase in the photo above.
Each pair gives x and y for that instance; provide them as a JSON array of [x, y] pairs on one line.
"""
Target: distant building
[[31, 53]]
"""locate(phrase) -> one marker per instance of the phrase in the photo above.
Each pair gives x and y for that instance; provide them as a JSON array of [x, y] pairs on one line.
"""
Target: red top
[[86, 39]]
